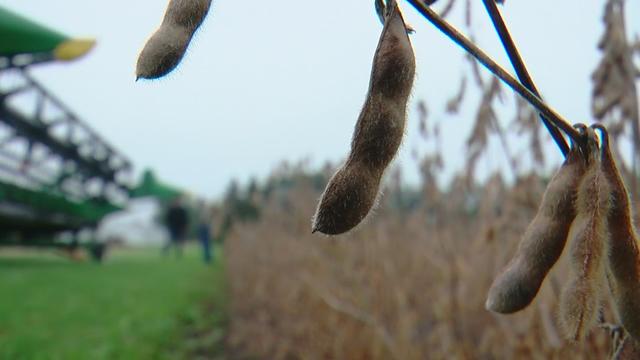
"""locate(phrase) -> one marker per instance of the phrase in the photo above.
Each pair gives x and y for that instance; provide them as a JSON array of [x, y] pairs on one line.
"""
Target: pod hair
[[580, 299], [623, 257], [166, 47], [352, 191], [543, 241]]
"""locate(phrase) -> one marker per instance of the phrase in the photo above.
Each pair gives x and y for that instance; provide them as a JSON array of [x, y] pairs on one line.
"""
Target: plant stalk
[[520, 68], [551, 115]]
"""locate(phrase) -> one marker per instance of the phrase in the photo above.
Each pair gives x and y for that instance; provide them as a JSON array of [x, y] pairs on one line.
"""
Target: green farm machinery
[[58, 176]]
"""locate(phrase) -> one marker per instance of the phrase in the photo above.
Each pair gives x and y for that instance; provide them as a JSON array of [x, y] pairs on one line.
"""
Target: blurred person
[[176, 220], [204, 229]]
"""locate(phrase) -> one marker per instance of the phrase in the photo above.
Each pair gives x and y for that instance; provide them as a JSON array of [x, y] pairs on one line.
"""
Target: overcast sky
[[267, 81]]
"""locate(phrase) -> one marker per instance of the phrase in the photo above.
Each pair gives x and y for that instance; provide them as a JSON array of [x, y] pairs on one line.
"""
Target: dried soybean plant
[[352, 191], [591, 209], [166, 47], [587, 204], [586, 201]]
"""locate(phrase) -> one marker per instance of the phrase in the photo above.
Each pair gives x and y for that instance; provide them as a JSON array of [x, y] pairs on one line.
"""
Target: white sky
[[267, 81]]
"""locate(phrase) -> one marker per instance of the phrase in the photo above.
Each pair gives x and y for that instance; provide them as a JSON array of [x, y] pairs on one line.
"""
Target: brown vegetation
[[409, 285]]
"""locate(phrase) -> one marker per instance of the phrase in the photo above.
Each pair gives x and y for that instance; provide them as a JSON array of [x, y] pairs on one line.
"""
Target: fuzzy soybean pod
[[166, 47], [354, 188], [623, 258], [543, 241], [581, 297]]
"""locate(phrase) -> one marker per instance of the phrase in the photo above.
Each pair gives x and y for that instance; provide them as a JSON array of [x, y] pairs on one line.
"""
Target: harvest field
[[410, 283], [522, 242], [136, 305]]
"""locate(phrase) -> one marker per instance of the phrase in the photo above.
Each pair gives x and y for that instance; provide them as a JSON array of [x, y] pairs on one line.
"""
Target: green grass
[[136, 305]]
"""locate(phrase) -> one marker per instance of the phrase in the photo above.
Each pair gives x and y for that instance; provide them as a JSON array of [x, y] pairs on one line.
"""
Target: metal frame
[[56, 173], [70, 151]]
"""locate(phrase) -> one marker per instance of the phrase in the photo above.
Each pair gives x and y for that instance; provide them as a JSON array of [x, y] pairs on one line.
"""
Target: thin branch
[[555, 118], [520, 68]]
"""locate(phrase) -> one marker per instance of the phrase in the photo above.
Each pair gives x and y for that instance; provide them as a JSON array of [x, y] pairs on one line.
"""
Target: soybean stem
[[521, 69], [555, 118]]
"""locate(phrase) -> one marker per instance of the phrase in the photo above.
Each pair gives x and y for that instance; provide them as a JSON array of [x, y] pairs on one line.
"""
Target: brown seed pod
[[580, 299], [542, 243], [166, 47], [352, 191], [623, 258]]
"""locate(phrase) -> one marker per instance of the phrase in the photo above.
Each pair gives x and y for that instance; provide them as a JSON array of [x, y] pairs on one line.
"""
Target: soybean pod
[[353, 189], [166, 47], [623, 257], [543, 241], [580, 299]]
